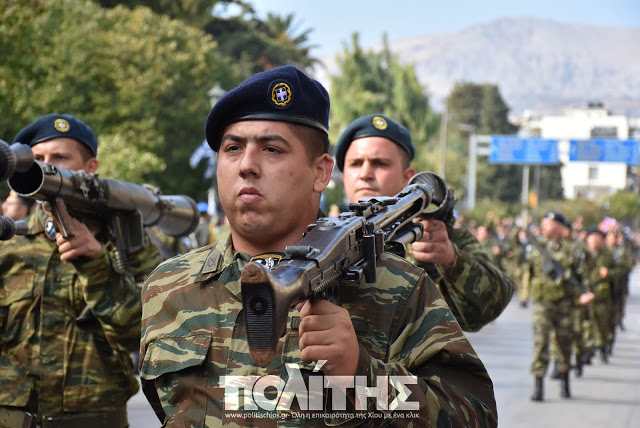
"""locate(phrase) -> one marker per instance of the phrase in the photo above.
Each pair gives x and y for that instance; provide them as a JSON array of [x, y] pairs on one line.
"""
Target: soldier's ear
[[323, 165], [91, 165]]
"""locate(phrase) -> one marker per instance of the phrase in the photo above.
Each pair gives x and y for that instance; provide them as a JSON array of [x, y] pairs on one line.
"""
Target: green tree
[[138, 78], [256, 45], [371, 82], [624, 206], [193, 12]]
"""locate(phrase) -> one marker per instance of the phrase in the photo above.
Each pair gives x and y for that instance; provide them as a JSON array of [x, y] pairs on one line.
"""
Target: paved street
[[606, 395]]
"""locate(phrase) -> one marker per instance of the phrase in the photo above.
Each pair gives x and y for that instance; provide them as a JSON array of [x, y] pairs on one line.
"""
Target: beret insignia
[[379, 122], [281, 94], [61, 125]]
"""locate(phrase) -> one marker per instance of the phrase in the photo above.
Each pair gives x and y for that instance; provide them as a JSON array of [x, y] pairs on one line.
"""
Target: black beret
[[374, 125], [284, 94], [53, 126], [595, 229], [554, 215]]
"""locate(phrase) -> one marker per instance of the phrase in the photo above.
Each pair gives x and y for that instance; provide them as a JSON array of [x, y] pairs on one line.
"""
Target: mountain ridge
[[539, 64]]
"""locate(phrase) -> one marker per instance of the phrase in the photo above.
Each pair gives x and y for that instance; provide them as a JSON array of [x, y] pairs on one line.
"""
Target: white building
[[594, 180]]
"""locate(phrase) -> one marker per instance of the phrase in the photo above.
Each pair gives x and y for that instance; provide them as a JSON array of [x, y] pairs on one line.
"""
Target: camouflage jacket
[[47, 357], [545, 287], [193, 337], [601, 287], [476, 290]]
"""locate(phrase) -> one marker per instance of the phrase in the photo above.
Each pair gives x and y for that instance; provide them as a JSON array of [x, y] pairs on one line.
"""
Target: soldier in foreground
[[271, 137], [54, 370], [374, 154]]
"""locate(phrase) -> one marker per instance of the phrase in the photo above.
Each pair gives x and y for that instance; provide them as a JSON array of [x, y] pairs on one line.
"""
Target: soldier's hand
[[326, 333], [603, 272], [435, 246], [82, 244], [586, 298]]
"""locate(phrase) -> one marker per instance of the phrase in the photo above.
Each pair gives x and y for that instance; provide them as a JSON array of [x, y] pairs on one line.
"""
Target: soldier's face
[[65, 153], [14, 208], [267, 184], [551, 228], [374, 166], [595, 241]]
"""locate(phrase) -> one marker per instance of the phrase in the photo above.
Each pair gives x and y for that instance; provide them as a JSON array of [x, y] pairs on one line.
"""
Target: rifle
[[444, 200], [125, 208], [553, 268], [334, 250], [10, 227]]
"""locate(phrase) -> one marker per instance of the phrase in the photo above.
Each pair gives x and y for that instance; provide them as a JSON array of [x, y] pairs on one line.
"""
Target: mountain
[[538, 64]]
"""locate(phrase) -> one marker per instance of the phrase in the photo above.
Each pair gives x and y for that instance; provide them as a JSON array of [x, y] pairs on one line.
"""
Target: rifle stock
[[334, 250]]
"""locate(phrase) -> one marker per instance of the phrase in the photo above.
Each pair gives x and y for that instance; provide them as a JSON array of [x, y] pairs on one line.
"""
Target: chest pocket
[[16, 301], [177, 365]]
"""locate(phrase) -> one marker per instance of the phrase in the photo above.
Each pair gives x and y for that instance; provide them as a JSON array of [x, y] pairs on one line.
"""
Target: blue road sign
[[512, 149], [605, 150]]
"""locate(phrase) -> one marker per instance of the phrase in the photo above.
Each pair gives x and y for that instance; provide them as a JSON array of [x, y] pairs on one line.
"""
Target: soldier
[[554, 298], [203, 230], [270, 133], [54, 370], [624, 261], [601, 268], [374, 154]]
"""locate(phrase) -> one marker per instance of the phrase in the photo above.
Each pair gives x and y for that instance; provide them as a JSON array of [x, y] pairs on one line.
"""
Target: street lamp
[[215, 94], [472, 164]]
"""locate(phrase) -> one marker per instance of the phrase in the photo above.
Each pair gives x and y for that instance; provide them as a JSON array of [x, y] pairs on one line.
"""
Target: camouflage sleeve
[[453, 387], [579, 268], [114, 299], [475, 289], [143, 262]]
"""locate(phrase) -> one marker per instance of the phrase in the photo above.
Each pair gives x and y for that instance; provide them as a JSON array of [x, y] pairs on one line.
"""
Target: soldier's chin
[[361, 194]]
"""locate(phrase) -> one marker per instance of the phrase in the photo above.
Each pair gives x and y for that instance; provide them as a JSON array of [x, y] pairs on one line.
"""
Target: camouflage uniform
[[474, 288], [554, 304], [51, 365], [602, 307], [624, 261], [193, 333]]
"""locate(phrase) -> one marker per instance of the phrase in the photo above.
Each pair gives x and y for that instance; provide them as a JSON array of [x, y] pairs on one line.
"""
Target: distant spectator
[[201, 234], [17, 207]]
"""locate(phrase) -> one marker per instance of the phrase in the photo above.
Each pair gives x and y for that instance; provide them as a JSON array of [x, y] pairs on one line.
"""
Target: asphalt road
[[607, 395]]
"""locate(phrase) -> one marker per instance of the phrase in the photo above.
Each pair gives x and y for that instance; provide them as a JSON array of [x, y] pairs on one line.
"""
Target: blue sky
[[333, 21]]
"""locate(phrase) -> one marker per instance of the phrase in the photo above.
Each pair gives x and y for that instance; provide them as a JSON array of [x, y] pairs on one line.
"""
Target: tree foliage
[[138, 78], [624, 206], [377, 82], [482, 107]]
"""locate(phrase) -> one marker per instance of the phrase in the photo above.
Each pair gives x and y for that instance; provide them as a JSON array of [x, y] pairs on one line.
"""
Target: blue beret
[[554, 215], [53, 126], [374, 125], [283, 94], [203, 207]]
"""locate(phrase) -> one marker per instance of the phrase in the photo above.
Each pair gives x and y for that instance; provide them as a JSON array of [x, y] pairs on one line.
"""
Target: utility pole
[[443, 143]]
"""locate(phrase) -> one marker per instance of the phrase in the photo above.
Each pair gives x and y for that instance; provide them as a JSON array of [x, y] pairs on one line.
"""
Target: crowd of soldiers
[[58, 369], [594, 263]]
